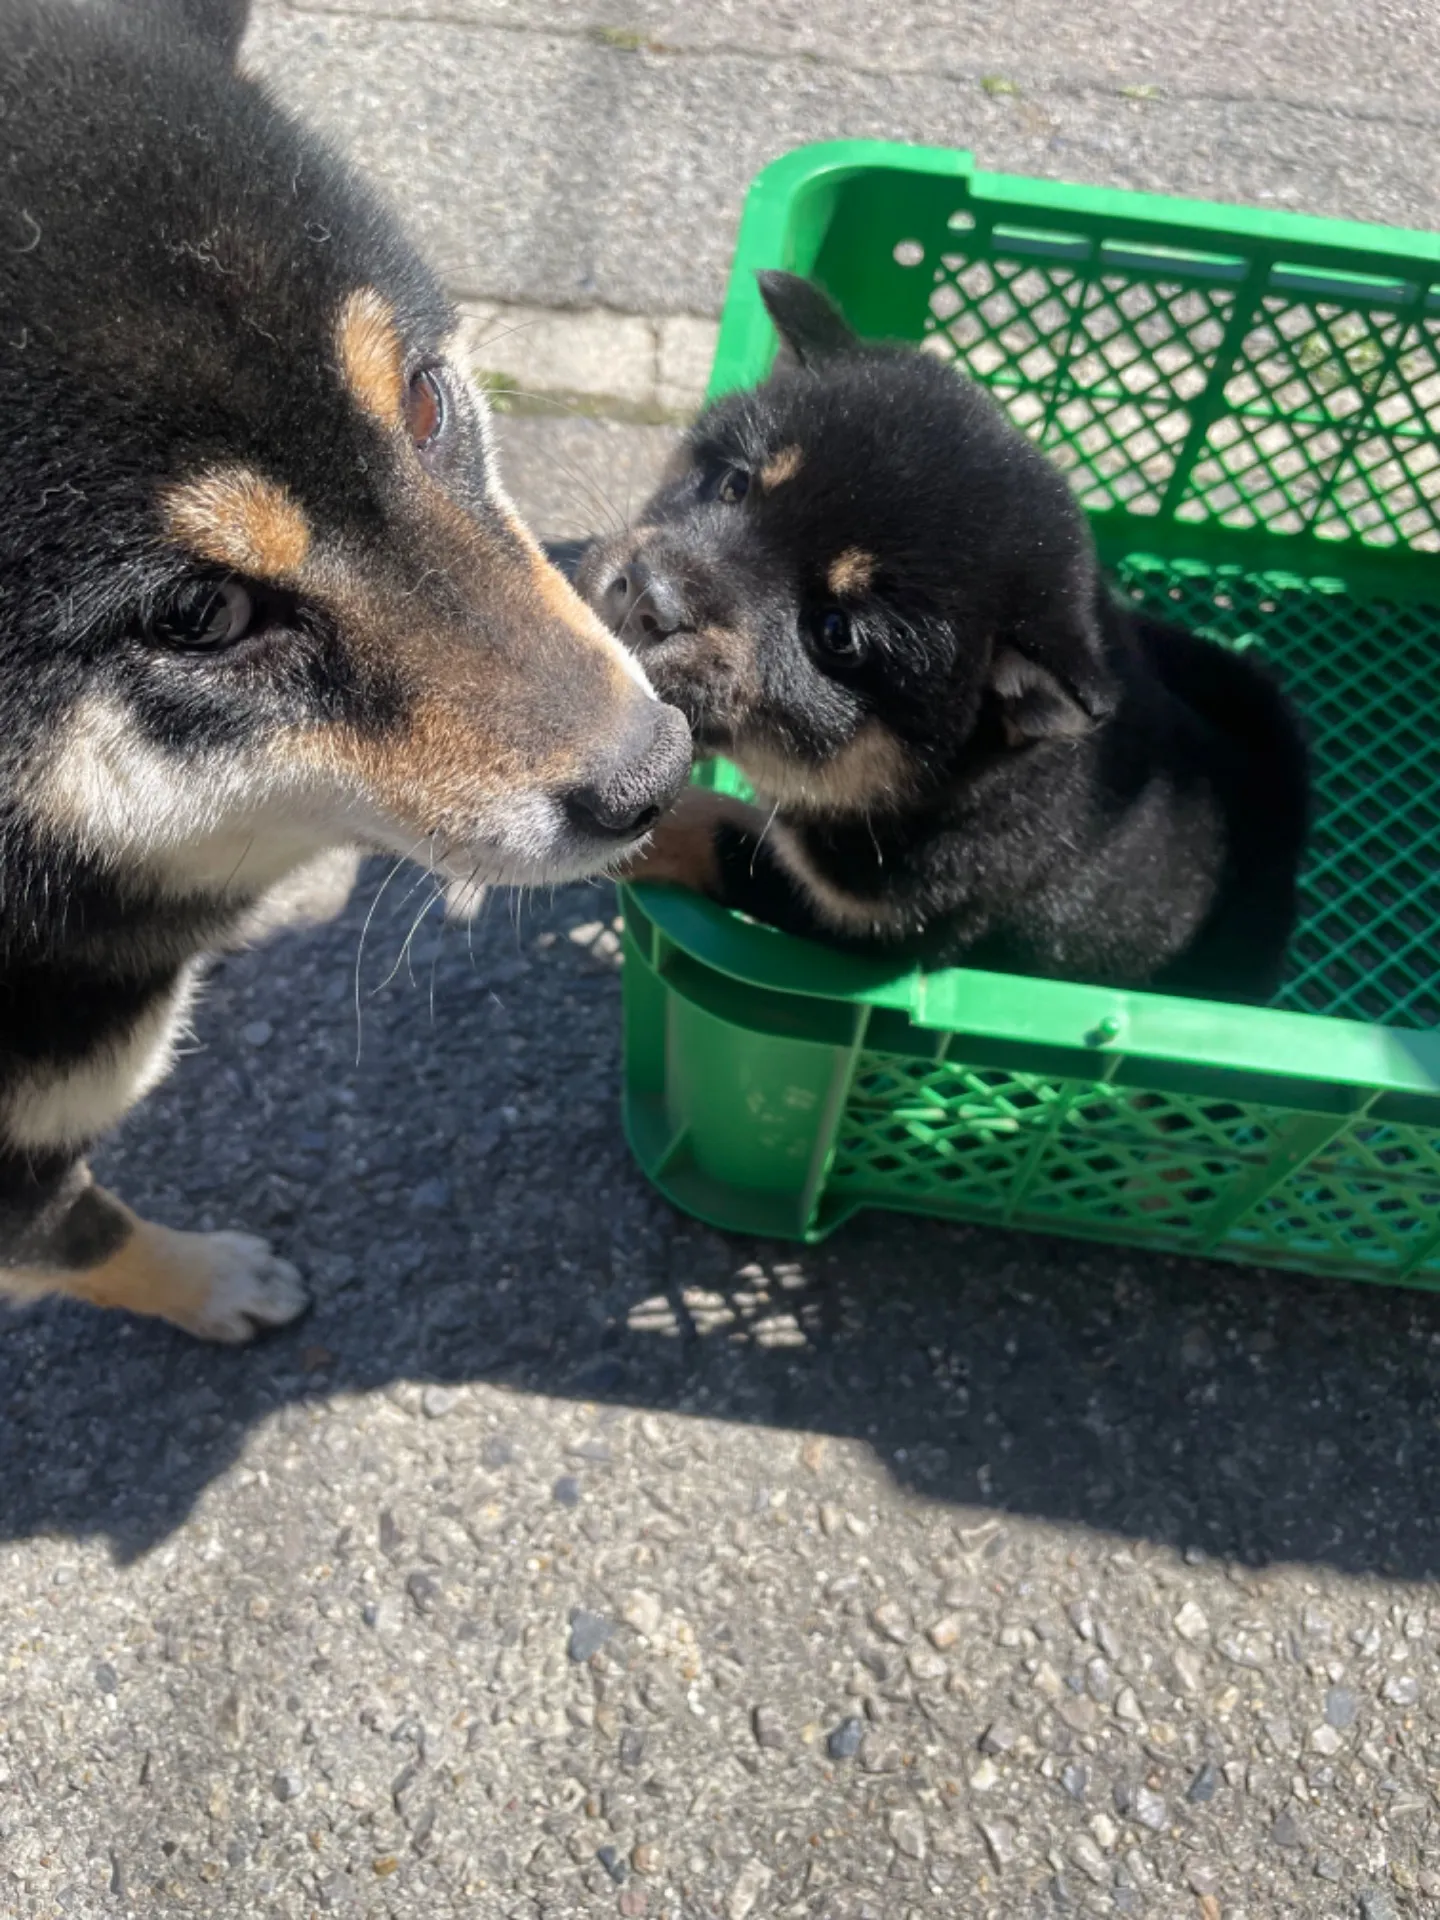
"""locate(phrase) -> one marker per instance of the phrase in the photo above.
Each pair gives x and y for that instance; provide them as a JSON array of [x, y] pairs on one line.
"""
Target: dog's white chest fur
[[68, 1106]]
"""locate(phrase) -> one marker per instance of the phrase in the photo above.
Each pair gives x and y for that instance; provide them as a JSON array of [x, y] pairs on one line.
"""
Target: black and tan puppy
[[261, 595], [878, 599]]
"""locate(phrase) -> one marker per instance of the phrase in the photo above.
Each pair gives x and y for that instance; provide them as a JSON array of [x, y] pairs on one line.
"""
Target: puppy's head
[[260, 588], [856, 573]]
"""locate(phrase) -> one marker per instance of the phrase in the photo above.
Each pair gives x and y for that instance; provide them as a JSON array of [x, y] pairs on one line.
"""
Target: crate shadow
[[466, 1210]]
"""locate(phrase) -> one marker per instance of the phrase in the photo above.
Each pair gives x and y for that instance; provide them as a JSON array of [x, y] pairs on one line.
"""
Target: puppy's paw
[[240, 1286], [682, 849]]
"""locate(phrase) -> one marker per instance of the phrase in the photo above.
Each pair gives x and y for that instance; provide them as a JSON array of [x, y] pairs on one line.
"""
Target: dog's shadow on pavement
[[463, 1203]]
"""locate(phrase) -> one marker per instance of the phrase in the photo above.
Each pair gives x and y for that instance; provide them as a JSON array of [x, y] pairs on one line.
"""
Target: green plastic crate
[[1247, 404]]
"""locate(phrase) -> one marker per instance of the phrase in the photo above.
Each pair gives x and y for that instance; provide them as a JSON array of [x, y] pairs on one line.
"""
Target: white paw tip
[[250, 1288]]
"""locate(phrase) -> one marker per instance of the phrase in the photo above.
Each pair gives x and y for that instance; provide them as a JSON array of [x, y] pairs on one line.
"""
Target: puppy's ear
[[1037, 703], [804, 319], [216, 24]]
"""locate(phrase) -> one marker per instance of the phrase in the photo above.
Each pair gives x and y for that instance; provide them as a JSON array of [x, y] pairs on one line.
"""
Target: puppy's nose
[[642, 603]]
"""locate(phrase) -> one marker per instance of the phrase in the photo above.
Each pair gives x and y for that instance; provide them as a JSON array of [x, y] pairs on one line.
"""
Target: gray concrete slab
[[575, 476], [1311, 53], [560, 169]]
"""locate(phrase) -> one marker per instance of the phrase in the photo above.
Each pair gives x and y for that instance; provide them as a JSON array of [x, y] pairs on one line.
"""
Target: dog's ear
[[804, 319], [1039, 702], [216, 24]]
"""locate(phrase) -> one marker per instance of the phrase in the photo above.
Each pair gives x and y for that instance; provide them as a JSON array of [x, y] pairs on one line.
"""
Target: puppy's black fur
[[876, 597], [261, 596]]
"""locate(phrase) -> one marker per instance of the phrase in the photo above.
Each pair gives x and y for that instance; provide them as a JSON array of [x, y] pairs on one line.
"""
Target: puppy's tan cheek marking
[[851, 572], [719, 662], [239, 521], [874, 767], [780, 467], [372, 356], [872, 770], [741, 659]]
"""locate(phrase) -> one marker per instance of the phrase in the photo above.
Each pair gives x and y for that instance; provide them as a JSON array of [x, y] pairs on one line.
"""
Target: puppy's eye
[[836, 640], [206, 617], [733, 487], [426, 411]]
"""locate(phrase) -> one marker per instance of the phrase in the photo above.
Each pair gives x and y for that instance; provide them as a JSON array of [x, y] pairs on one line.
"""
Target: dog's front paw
[[218, 1286], [241, 1286]]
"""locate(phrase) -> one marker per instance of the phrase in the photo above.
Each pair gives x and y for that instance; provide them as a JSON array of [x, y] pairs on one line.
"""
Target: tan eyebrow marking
[[851, 572], [780, 467], [372, 356], [241, 521]]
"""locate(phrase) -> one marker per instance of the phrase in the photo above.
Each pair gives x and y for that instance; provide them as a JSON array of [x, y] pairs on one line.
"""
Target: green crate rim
[[782, 196], [1103, 1023]]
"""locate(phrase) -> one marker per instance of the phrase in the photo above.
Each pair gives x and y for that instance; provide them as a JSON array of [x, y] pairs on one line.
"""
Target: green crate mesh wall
[[1290, 410], [1201, 398], [1367, 678], [1196, 1174]]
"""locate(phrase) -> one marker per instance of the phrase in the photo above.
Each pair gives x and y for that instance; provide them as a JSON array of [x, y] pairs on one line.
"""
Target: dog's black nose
[[638, 781], [643, 604]]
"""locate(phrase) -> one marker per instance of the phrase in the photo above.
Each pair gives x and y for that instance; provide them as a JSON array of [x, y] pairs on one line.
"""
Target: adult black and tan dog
[[261, 595], [879, 599]]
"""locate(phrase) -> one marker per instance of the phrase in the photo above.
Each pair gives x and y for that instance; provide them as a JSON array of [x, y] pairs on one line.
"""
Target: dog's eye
[[836, 639], [205, 618], [733, 487], [425, 408]]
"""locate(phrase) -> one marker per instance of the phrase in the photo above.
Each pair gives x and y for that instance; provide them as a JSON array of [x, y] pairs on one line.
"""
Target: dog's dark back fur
[[217, 24], [878, 598]]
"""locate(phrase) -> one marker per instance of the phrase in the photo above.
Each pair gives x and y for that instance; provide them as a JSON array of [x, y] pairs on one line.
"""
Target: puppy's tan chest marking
[[240, 521], [842, 910], [72, 1105], [871, 772]]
